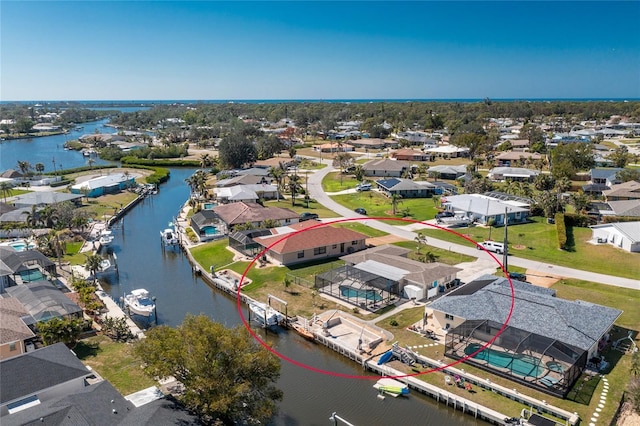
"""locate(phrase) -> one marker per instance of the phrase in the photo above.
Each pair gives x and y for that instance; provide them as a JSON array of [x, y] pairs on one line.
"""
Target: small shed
[[414, 292]]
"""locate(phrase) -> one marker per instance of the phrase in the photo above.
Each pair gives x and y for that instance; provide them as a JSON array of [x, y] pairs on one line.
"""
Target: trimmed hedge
[[561, 229], [578, 220], [81, 169], [161, 162], [61, 183], [160, 174], [612, 219]]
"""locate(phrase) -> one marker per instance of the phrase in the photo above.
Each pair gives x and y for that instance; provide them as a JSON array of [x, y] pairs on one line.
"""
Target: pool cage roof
[[537, 361], [357, 286]]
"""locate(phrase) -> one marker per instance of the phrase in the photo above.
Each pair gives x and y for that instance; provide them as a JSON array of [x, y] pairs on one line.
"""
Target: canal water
[[309, 397]]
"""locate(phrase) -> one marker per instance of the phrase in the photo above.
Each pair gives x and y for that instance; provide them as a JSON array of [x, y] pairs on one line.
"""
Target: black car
[[308, 216], [518, 276], [444, 214], [360, 210]]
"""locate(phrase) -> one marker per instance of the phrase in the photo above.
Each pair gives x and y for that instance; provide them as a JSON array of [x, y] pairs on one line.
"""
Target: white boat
[[265, 315], [106, 238], [169, 237], [105, 264], [139, 302], [391, 387], [454, 222]]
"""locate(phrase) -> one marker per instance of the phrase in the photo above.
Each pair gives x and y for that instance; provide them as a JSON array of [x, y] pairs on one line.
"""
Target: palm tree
[[93, 264], [205, 160], [270, 223], [24, 167], [5, 190], [420, 239], [277, 173], [293, 187], [429, 257], [33, 217], [39, 168], [395, 200]]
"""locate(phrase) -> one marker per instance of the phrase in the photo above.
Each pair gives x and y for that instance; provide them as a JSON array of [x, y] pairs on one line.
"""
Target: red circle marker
[[351, 376]]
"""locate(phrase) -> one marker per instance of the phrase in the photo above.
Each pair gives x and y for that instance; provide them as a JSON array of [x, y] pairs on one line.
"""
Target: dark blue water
[[50, 149]]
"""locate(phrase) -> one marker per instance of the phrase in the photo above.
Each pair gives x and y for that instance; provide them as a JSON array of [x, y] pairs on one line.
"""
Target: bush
[[165, 163], [191, 235], [561, 229], [61, 183], [393, 323], [579, 220]]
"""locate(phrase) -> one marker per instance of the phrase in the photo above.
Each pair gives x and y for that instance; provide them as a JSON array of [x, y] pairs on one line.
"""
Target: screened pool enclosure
[[360, 288], [539, 362]]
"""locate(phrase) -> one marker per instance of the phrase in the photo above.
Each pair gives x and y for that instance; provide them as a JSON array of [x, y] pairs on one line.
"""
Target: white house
[[625, 235]]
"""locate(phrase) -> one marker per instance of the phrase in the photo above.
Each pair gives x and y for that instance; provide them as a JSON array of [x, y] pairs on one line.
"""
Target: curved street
[[407, 232]]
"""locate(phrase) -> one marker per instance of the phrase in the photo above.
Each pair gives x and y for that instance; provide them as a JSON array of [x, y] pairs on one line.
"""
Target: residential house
[[406, 188], [273, 162], [415, 138], [624, 235], [447, 151], [622, 208], [18, 267], [207, 225], [406, 277], [518, 174], [101, 185], [333, 147], [516, 158], [483, 209], [601, 179], [14, 332], [245, 193], [244, 180], [44, 301], [234, 214], [52, 386], [448, 172], [519, 144], [410, 155], [373, 143], [386, 168], [44, 198], [624, 191], [559, 336], [324, 242]]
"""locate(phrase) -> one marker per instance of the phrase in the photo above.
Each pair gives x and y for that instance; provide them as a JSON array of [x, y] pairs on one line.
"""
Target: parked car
[[308, 216], [493, 246], [518, 276], [360, 210], [363, 187], [444, 214]]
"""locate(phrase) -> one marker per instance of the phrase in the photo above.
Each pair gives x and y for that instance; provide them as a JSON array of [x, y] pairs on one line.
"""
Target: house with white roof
[[624, 235], [519, 174], [484, 209], [101, 185], [448, 151]]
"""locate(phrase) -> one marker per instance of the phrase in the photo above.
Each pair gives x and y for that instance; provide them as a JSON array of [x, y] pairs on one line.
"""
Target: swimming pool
[[32, 275], [209, 206], [368, 294], [211, 230], [522, 365]]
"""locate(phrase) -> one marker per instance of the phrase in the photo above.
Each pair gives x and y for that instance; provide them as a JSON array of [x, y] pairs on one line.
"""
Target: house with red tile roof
[[324, 242]]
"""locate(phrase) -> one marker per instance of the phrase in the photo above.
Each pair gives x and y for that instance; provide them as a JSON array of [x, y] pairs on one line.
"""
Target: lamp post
[[506, 243]]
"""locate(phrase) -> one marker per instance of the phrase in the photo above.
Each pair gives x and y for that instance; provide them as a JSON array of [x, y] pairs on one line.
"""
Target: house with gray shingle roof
[[386, 168], [233, 214], [483, 209], [629, 208], [14, 333], [406, 188], [521, 331]]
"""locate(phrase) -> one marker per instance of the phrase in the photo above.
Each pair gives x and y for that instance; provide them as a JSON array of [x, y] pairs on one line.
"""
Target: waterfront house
[[624, 235], [19, 267], [14, 332], [44, 301], [44, 198], [406, 188], [547, 343], [101, 185], [484, 209], [234, 214], [386, 168], [207, 225], [244, 180], [324, 242], [235, 194]]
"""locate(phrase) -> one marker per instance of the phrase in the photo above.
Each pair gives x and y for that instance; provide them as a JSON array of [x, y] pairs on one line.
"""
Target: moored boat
[[265, 315], [391, 387], [169, 237], [138, 302]]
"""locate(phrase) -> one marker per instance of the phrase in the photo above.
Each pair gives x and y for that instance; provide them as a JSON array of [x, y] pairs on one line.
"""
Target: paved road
[[407, 231]]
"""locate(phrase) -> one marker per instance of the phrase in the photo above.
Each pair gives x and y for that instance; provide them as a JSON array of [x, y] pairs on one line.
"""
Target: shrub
[[579, 220], [561, 229], [393, 323]]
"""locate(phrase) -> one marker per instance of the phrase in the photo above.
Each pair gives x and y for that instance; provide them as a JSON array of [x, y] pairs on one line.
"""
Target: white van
[[493, 246], [363, 187]]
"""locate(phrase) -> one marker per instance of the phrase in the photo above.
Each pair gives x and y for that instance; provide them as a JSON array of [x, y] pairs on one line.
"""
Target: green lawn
[[541, 244], [107, 205], [301, 206], [444, 256], [333, 183], [115, 362], [378, 205], [360, 227]]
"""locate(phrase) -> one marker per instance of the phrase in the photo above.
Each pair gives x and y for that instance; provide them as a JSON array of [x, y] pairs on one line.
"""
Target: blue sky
[[107, 50]]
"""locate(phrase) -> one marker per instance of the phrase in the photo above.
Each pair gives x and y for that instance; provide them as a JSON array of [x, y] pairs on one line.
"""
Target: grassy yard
[[359, 227], [584, 403], [115, 362], [333, 183], [444, 256], [540, 243], [301, 206], [107, 205], [378, 205]]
